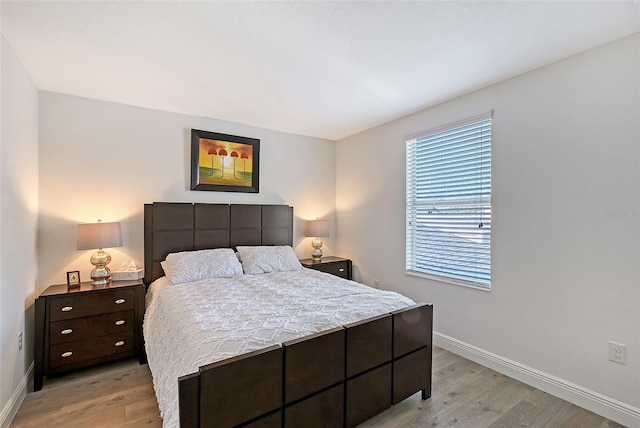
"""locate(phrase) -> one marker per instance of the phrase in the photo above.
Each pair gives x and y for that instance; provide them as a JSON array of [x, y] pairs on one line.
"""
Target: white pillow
[[256, 260], [189, 266]]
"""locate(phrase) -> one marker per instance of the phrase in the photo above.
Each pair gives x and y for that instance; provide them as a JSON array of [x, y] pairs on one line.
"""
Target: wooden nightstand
[[333, 265], [89, 325]]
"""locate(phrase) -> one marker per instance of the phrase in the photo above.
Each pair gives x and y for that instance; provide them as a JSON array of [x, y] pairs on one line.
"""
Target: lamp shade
[[316, 228], [93, 236]]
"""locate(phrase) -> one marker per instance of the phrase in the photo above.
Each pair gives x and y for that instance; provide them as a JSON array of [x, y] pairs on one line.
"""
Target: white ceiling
[[326, 69]]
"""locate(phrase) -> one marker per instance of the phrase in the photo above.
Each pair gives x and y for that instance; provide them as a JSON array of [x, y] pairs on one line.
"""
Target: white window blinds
[[449, 203]]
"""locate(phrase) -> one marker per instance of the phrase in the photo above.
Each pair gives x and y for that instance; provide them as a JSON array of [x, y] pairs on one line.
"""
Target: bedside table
[[85, 326], [334, 265]]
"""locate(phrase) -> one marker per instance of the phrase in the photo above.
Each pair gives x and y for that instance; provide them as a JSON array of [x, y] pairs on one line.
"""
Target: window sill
[[454, 281]]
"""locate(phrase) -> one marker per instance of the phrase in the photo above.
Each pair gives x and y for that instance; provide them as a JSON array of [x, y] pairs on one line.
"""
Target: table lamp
[[99, 235], [316, 229]]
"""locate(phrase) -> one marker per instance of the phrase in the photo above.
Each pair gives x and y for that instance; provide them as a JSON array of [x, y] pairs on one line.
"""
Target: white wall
[[105, 160], [566, 219], [18, 226]]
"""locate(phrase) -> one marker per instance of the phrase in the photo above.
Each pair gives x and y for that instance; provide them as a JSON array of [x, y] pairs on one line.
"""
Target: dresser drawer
[[83, 350], [338, 269], [95, 303], [88, 327]]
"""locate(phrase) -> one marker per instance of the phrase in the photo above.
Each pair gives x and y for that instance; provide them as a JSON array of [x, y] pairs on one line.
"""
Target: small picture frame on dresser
[[73, 279]]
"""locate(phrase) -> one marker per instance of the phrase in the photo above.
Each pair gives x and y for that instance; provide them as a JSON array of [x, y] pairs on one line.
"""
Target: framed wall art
[[224, 163]]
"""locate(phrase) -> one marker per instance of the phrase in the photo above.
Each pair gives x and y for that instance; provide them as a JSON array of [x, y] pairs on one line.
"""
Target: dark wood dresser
[[89, 325], [334, 265]]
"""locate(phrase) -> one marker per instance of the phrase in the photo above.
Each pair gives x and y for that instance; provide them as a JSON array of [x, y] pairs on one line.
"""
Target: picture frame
[[224, 163], [73, 279]]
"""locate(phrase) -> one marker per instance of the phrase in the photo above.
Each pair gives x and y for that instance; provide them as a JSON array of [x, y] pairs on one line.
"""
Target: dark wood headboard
[[175, 227]]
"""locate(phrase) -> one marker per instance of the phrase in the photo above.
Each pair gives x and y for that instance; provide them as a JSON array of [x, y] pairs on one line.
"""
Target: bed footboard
[[339, 377]]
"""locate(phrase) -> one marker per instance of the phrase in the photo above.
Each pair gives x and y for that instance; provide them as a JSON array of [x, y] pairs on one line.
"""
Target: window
[[449, 204]]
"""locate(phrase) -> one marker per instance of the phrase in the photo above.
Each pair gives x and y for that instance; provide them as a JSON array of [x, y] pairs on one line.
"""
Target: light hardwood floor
[[465, 394]]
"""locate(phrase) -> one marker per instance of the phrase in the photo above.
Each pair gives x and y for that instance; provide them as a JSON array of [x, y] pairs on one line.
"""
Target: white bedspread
[[189, 325]]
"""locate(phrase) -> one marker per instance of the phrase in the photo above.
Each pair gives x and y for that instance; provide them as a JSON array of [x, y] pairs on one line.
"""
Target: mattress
[[193, 324]]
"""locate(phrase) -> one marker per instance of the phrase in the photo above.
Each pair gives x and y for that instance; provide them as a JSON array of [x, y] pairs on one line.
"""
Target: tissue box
[[127, 275]]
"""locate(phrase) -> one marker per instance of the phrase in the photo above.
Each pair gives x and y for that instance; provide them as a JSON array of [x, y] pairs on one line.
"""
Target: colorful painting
[[224, 163]]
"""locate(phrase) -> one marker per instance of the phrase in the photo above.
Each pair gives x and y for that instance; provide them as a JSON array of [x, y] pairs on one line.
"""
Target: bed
[[340, 376]]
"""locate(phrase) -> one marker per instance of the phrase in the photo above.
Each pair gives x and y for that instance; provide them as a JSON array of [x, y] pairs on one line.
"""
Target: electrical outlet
[[20, 341], [376, 283], [618, 353]]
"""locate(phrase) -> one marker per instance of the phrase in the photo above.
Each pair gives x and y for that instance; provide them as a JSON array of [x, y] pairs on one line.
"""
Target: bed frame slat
[[273, 420], [412, 329], [189, 401], [368, 395], [323, 410], [368, 344], [313, 363], [412, 373], [412, 351], [277, 223], [246, 216], [172, 216], [241, 388], [211, 216], [211, 226]]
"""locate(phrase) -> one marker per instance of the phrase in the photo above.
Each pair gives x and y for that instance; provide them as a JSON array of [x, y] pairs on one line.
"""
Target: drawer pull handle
[[120, 343], [120, 301], [67, 354], [120, 322], [66, 331], [67, 308], [341, 269]]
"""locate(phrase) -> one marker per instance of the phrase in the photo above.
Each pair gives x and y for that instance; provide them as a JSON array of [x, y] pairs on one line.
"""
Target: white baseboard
[[610, 408], [11, 408]]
